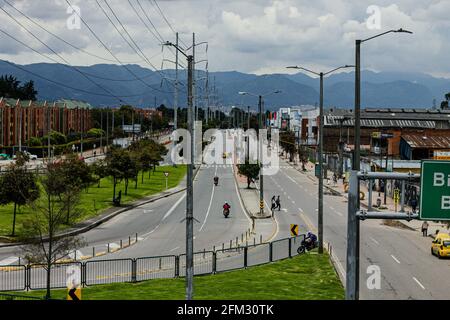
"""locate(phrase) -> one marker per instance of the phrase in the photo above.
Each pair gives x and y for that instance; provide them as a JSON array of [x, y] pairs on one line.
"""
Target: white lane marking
[[145, 235], [174, 249], [210, 203], [375, 241], [291, 179], [396, 260], [418, 282], [173, 207]]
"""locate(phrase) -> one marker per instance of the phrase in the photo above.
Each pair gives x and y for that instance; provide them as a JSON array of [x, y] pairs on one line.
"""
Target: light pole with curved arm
[[320, 204]]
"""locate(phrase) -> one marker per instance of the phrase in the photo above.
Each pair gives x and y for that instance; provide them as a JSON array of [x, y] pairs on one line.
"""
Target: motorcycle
[[307, 246], [226, 212]]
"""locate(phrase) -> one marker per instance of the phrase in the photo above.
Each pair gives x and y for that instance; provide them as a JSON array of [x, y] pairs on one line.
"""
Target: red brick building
[[21, 120]]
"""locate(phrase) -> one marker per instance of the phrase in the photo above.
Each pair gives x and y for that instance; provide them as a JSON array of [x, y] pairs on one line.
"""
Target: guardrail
[[34, 277]]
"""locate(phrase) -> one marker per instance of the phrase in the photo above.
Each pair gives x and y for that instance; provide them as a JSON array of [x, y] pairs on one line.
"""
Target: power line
[[63, 40], [64, 85], [160, 38], [68, 64], [166, 20], [131, 38], [107, 49]]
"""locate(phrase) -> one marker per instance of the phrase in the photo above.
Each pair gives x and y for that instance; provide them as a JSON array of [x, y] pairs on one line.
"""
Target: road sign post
[[435, 190]]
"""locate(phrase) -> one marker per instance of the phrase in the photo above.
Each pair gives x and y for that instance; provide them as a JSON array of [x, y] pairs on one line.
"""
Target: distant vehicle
[[31, 156], [4, 156], [441, 245]]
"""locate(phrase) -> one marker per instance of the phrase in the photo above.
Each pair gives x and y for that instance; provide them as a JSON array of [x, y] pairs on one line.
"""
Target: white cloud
[[249, 36]]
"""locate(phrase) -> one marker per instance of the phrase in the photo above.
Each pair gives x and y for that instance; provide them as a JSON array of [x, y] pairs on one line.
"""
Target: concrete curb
[[78, 231]]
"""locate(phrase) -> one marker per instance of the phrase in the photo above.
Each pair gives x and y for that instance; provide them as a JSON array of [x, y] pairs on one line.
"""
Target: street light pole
[[321, 119], [320, 205], [353, 228], [261, 176]]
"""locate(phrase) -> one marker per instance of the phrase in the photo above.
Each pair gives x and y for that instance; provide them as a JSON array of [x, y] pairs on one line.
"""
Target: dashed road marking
[[418, 282], [395, 259]]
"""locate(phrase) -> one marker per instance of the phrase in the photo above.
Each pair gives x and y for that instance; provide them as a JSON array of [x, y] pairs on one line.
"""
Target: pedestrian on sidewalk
[[425, 228], [414, 204], [278, 203]]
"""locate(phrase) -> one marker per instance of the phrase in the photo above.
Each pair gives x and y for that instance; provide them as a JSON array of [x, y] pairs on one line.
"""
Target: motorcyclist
[[310, 239], [226, 208]]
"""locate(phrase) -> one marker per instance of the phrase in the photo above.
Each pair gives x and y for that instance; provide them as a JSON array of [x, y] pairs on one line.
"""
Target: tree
[[42, 243], [18, 185], [99, 171], [445, 103], [76, 175], [10, 88], [250, 170], [118, 162], [287, 142]]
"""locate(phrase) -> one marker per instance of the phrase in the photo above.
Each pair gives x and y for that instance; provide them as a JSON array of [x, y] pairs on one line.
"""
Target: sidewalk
[[264, 228], [339, 189]]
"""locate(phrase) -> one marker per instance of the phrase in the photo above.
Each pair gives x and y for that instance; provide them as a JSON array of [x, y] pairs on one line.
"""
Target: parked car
[[441, 245]]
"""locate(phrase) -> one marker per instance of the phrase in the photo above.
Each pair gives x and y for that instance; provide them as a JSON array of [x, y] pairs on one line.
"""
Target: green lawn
[[95, 200], [305, 277]]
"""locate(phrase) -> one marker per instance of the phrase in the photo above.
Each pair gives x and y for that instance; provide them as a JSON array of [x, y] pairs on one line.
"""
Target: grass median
[[95, 200], [305, 277]]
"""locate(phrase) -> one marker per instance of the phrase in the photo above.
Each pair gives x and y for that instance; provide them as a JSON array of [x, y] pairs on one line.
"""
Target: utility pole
[[82, 127], [320, 205], [107, 128], [175, 100], [261, 182], [190, 196], [101, 131]]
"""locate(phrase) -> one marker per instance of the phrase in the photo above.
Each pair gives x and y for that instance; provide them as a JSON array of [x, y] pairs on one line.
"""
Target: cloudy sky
[[254, 36]]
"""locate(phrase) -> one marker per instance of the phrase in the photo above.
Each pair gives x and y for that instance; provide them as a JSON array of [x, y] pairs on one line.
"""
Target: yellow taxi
[[441, 245]]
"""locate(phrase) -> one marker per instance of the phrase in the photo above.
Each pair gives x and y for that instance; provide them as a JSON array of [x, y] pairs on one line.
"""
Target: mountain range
[[113, 85]]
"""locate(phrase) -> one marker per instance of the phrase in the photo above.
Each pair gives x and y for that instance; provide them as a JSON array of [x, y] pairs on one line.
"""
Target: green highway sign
[[435, 190]]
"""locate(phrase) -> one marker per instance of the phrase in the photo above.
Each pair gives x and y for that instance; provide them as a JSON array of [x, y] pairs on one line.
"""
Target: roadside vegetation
[[306, 277], [133, 172]]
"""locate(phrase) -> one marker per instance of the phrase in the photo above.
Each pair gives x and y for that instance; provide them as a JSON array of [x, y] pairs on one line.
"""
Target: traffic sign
[[294, 230], [435, 190], [74, 294]]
